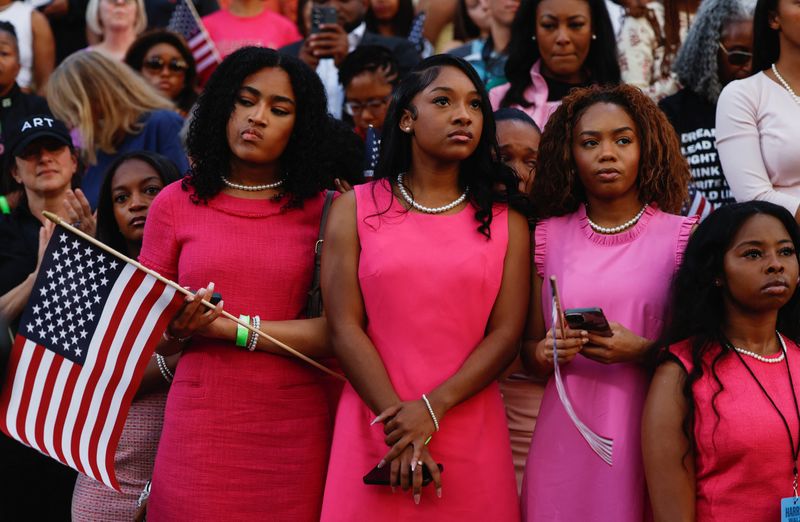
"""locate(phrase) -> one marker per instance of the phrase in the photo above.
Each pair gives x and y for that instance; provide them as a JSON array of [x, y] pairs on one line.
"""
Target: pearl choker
[[614, 230], [785, 84], [428, 210], [759, 357], [252, 188]]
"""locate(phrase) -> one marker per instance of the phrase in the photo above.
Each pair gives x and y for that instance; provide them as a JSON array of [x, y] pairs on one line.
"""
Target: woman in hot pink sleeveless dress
[[610, 243], [426, 302]]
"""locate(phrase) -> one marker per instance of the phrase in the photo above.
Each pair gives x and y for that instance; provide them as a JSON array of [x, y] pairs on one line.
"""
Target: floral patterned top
[[642, 52]]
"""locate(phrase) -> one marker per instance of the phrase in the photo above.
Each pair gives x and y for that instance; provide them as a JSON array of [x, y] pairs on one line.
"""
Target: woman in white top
[[758, 118], [37, 52]]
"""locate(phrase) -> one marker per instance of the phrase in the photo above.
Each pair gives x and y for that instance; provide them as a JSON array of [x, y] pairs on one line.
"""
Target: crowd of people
[[390, 187]]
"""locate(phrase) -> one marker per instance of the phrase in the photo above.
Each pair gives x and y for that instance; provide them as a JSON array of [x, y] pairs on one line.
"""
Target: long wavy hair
[[138, 49], [401, 23], [697, 64], [307, 157], [107, 228], [601, 63], [697, 310], [768, 48], [482, 171], [663, 176], [103, 98]]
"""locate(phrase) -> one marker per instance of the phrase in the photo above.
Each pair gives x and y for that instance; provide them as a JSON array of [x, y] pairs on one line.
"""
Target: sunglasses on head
[[736, 57], [157, 64], [33, 150]]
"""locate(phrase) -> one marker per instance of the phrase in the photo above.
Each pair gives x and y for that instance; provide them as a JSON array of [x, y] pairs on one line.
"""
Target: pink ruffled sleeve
[[684, 234], [160, 247], [540, 246]]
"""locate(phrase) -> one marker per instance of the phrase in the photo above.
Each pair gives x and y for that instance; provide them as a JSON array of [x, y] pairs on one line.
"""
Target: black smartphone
[[321, 14], [590, 319], [380, 476], [216, 297]]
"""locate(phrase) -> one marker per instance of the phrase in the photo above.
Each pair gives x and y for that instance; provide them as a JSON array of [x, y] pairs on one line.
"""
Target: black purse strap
[[314, 308]]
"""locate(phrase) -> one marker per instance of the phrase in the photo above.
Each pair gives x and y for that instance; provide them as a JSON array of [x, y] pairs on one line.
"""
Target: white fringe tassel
[[601, 445]]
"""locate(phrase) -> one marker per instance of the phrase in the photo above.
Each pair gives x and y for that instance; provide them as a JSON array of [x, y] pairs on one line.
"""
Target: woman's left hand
[[406, 423], [78, 213], [622, 346]]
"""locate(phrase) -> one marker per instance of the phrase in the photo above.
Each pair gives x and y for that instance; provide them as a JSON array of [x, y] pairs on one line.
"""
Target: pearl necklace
[[759, 357], [251, 188], [785, 84], [614, 230], [428, 210]]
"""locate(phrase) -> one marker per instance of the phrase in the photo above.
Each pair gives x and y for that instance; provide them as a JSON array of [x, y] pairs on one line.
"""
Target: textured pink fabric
[[92, 501], [536, 93], [628, 276], [245, 434], [743, 463], [429, 284], [230, 32]]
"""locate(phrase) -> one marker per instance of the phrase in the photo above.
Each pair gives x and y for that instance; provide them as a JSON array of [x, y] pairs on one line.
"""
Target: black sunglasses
[[736, 57], [156, 64]]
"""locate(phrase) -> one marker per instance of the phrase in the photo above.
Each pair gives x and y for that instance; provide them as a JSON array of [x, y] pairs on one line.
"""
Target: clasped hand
[[194, 317], [407, 427], [622, 346]]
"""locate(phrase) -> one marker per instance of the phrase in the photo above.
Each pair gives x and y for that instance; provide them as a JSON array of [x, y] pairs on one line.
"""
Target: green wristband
[[4, 206], [242, 332]]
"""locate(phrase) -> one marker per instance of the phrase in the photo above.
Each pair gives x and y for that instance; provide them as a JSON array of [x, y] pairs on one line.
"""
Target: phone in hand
[[380, 476], [321, 14], [590, 319]]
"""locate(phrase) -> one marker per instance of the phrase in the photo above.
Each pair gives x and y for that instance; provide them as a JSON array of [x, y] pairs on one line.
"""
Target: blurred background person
[[470, 21], [648, 44], [114, 24], [757, 117], [570, 44], [165, 61], [488, 55], [397, 18], [369, 75], [718, 49], [113, 111], [249, 22], [325, 50], [34, 41], [160, 11]]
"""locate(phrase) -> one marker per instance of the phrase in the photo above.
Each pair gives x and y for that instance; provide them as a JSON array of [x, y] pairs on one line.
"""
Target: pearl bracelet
[[430, 410], [163, 368], [251, 346]]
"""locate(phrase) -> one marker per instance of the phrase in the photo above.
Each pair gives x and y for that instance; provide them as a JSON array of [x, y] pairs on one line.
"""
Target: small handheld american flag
[[186, 22], [91, 326]]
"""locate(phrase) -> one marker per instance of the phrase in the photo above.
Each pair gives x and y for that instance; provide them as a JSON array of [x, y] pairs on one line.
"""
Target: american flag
[[372, 151], [91, 325], [186, 22]]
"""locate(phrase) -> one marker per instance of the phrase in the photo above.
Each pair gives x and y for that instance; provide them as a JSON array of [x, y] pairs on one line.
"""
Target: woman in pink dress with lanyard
[[424, 275], [610, 168], [246, 427]]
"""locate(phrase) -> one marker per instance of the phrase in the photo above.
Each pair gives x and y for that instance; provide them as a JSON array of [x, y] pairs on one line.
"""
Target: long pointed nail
[[439, 492], [417, 498], [374, 420], [210, 285], [413, 465], [381, 464]]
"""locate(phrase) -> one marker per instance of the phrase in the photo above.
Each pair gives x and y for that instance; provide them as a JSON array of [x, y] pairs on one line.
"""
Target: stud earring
[[717, 282], [594, 37], [533, 38]]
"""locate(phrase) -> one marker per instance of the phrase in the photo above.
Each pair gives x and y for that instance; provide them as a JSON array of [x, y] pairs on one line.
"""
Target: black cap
[[32, 128]]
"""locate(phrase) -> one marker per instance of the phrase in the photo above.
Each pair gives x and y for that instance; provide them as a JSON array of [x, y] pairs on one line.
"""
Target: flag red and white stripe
[[186, 22], [68, 395]]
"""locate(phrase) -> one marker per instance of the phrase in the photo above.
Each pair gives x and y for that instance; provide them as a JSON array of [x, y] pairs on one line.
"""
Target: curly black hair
[[146, 41], [482, 172], [601, 63], [697, 310], [307, 153], [107, 227]]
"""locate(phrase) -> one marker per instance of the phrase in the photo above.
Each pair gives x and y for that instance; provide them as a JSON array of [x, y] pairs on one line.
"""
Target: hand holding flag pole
[[58, 221]]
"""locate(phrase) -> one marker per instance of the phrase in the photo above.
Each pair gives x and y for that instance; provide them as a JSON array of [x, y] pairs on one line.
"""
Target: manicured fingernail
[[417, 498], [221, 303], [381, 464], [374, 420], [210, 286], [190, 299], [439, 492], [201, 292], [413, 465]]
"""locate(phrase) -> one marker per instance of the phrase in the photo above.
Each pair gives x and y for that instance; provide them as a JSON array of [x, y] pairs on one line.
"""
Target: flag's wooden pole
[[58, 221]]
